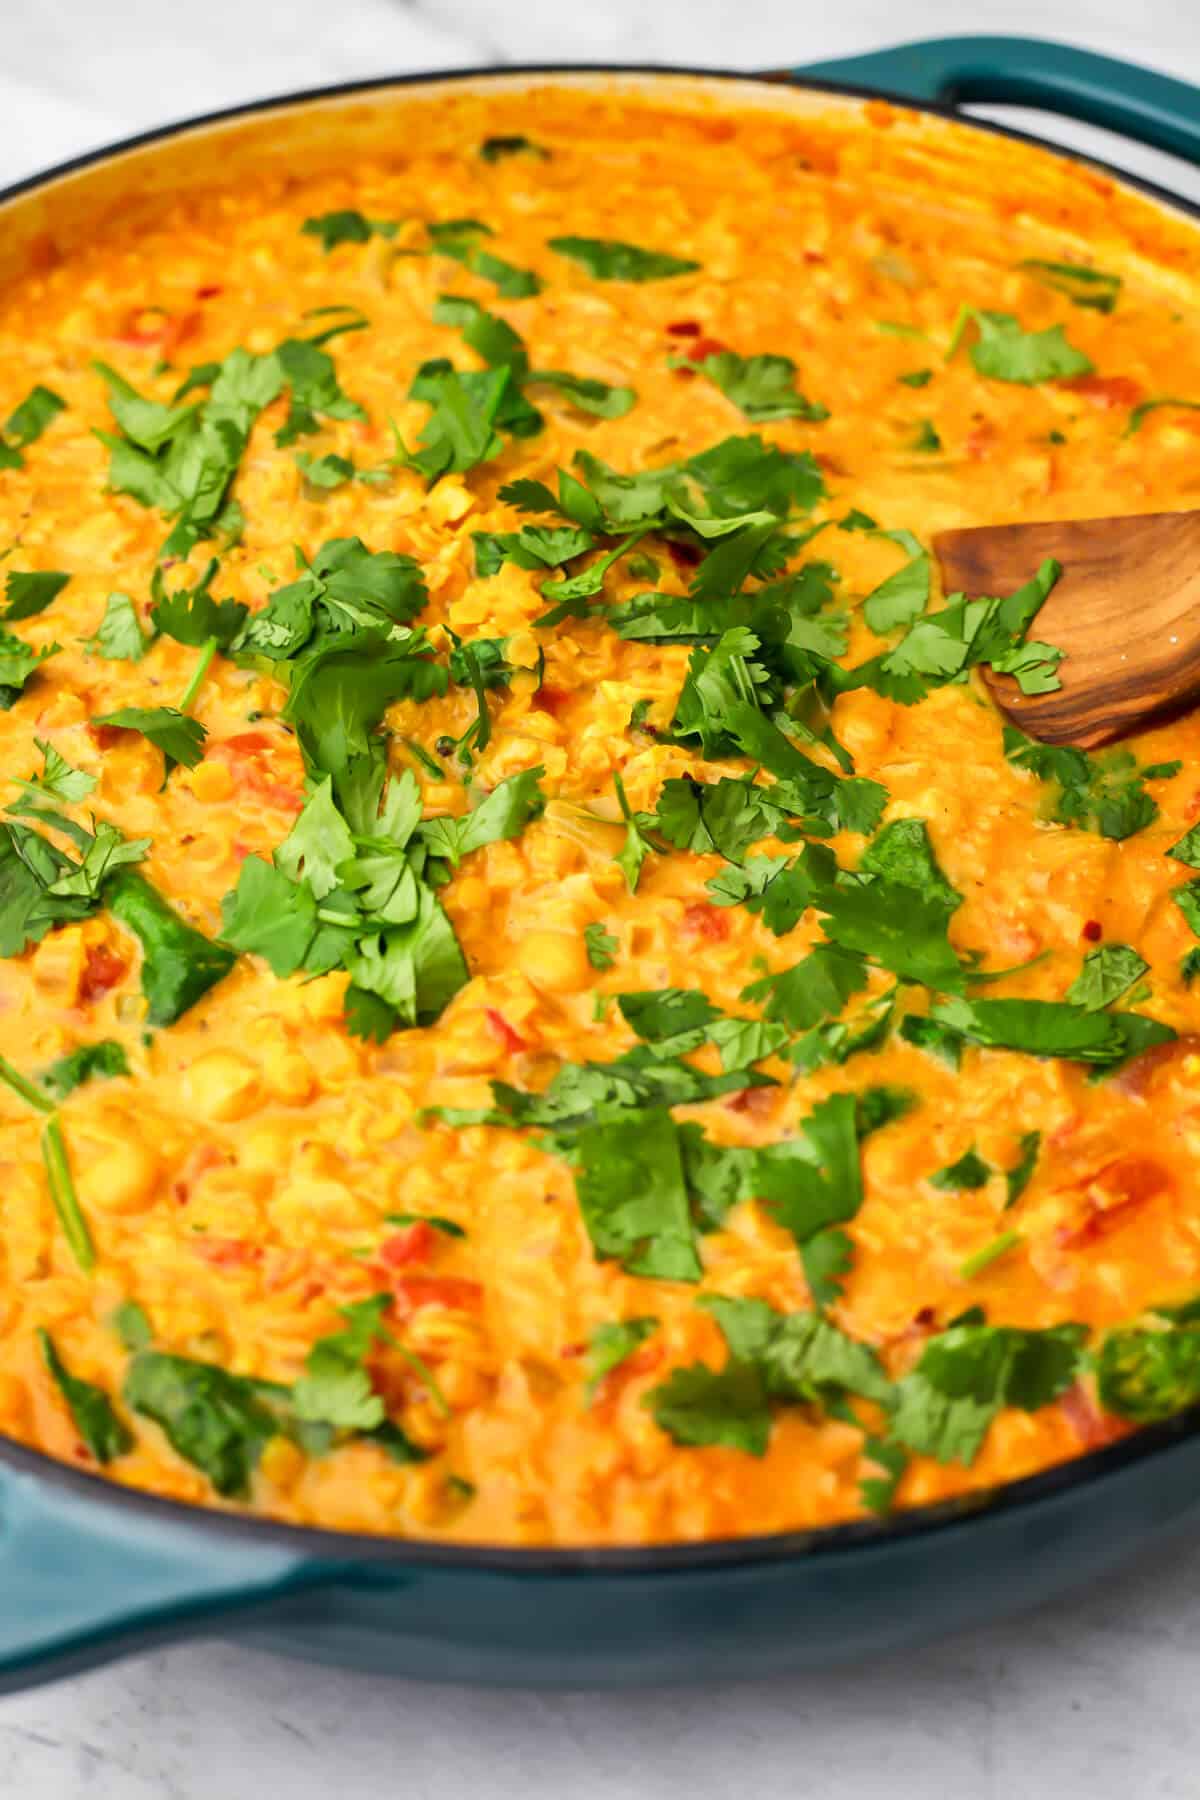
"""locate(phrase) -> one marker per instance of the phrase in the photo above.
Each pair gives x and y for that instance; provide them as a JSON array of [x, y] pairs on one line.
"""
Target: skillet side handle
[[84, 1579], [1101, 90]]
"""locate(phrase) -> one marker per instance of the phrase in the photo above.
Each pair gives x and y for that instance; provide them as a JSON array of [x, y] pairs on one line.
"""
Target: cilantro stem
[[66, 1200], [421, 1368], [198, 673], [24, 1089], [483, 730], [990, 1253], [965, 315]]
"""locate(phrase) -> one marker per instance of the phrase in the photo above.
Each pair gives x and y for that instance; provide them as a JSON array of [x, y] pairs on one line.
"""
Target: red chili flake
[[103, 969], [814, 256], [1093, 931], [684, 374], [705, 921], [980, 439], [500, 1028], [415, 1244], [210, 291], [684, 328]]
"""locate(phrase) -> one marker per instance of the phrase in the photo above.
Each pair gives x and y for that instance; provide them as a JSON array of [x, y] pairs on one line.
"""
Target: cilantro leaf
[[26, 423], [17, 663], [179, 964], [633, 1197], [903, 596], [897, 926], [105, 1435], [180, 738], [1148, 1374], [495, 149], [699, 1406], [58, 779], [1049, 1028], [346, 227], [462, 239], [26, 595], [460, 432], [902, 853], [268, 915], [131, 1325], [192, 616], [218, 1422], [1006, 352], [969, 1172], [610, 259], [1103, 793], [1017, 1178], [1107, 973], [611, 1345], [662, 1013], [762, 387], [120, 637], [106, 1058], [335, 1388], [812, 990], [601, 945], [968, 1373], [1082, 285]]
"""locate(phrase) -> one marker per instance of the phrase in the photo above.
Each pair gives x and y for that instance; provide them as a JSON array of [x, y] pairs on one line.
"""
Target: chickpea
[[222, 1085], [554, 960], [282, 1463], [121, 1177]]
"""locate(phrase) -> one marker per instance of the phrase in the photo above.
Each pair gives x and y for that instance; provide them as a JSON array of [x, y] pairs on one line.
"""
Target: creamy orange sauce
[[238, 1183]]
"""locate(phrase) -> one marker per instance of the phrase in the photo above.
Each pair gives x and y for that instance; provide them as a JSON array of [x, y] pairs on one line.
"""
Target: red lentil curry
[[538, 1001]]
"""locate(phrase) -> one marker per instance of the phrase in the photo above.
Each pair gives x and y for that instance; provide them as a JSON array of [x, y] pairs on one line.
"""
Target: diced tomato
[[980, 439], [704, 921], [704, 347], [1192, 809], [415, 1244], [550, 699], [107, 737], [412, 1292], [252, 758], [756, 1101], [830, 464], [102, 969], [1105, 390], [684, 328], [1091, 1426], [227, 1253], [500, 1028], [1093, 931], [1114, 1194], [209, 291], [814, 256]]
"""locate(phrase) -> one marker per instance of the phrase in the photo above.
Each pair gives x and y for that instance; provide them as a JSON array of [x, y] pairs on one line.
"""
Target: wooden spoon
[[1126, 610]]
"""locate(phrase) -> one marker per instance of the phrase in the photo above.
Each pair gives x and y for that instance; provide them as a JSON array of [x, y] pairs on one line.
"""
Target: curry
[[539, 1002]]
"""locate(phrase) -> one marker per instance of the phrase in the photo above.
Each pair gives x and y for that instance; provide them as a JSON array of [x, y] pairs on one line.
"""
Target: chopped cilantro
[[179, 964], [926, 438], [968, 1373], [601, 945], [26, 423], [180, 738], [1107, 973], [26, 595], [106, 1058], [970, 1171], [1017, 1178], [119, 637], [65, 1199], [131, 1325], [916, 378], [105, 1435], [1082, 285], [346, 227], [611, 1345], [1005, 351], [1050, 1028], [761, 387], [992, 1252], [496, 149], [1103, 793], [609, 259]]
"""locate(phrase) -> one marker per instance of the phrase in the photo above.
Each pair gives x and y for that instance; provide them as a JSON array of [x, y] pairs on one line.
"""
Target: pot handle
[[1100, 90], [84, 1579]]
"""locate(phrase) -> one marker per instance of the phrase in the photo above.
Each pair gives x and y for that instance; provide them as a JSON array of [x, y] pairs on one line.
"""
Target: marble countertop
[[1095, 1697]]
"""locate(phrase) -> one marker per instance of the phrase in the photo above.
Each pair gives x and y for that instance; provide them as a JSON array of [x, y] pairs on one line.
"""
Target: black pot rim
[[350, 1548]]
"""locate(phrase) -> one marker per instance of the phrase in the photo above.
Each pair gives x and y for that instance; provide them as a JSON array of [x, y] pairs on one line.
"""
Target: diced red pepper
[[1115, 1193], [500, 1028], [209, 291], [227, 1253], [102, 969], [704, 921], [251, 758], [645, 1358], [414, 1244], [756, 1101], [107, 737], [1105, 390], [704, 347], [412, 1292], [684, 328], [1093, 931], [549, 699]]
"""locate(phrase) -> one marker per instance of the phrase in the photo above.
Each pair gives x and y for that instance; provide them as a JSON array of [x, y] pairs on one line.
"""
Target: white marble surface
[[1093, 1698]]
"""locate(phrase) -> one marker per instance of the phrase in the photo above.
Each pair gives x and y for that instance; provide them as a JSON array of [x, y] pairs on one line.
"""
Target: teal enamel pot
[[89, 1571]]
